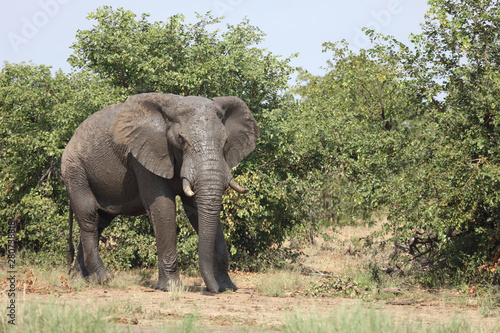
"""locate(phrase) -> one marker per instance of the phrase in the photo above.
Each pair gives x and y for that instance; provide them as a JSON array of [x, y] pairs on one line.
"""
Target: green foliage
[[38, 114], [410, 130], [129, 242], [341, 142], [178, 58], [453, 188], [256, 224]]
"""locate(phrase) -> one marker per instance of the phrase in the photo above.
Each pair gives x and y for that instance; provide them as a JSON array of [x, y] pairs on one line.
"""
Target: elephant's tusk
[[235, 186], [187, 188]]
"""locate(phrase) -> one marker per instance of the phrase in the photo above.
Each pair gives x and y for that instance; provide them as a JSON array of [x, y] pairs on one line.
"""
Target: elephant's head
[[196, 139]]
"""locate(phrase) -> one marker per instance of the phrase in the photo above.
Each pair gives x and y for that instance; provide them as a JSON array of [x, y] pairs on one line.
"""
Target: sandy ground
[[143, 309]]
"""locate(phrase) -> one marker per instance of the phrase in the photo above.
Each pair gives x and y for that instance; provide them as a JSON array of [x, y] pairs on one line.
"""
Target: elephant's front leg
[[221, 254], [161, 213]]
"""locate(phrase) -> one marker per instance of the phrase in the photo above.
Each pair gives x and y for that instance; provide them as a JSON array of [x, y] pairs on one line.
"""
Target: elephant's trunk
[[208, 219], [209, 188]]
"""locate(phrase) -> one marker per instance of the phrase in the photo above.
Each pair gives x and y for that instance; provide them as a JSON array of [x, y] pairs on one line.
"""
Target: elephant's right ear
[[140, 125]]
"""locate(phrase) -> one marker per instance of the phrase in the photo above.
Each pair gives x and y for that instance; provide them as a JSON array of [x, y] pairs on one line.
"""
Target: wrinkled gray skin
[[136, 157]]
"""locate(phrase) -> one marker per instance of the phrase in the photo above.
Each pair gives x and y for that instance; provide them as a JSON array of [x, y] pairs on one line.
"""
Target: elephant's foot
[[102, 276], [220, 283], [170, 283], [225, 283]]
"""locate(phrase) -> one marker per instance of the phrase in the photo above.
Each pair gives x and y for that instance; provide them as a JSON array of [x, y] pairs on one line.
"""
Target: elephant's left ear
[[241, 128]]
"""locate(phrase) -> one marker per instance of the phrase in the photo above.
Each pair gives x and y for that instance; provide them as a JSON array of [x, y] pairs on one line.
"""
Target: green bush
[[39, 112], [412, 131], [185, 59], [452, 187]]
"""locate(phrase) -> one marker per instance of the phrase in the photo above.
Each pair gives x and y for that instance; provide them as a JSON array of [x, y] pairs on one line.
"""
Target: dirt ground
[[246, 308], [144, 309]]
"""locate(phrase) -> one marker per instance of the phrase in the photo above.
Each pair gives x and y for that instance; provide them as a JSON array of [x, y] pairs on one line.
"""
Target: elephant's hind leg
[[79, 269], [88, 263]]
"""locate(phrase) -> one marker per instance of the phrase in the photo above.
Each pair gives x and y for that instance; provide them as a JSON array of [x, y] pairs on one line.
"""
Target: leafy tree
[[451, 193], [413, 131], [343, 139], [38, 114], [178, 58]]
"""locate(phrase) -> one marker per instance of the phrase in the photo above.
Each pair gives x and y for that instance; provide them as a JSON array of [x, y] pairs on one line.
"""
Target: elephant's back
[[97, 124]]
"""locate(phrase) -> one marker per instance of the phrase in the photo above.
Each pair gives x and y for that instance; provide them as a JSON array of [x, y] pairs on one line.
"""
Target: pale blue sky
[[42, 31]]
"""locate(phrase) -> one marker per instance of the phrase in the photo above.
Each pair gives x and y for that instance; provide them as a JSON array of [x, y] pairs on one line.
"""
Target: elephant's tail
[[70, 248]]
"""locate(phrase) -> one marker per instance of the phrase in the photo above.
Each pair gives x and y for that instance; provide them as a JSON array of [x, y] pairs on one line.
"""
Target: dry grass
[[331, 270]]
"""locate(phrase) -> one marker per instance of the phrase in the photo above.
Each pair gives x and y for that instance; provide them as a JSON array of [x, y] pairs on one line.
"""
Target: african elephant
[[136, 157]]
